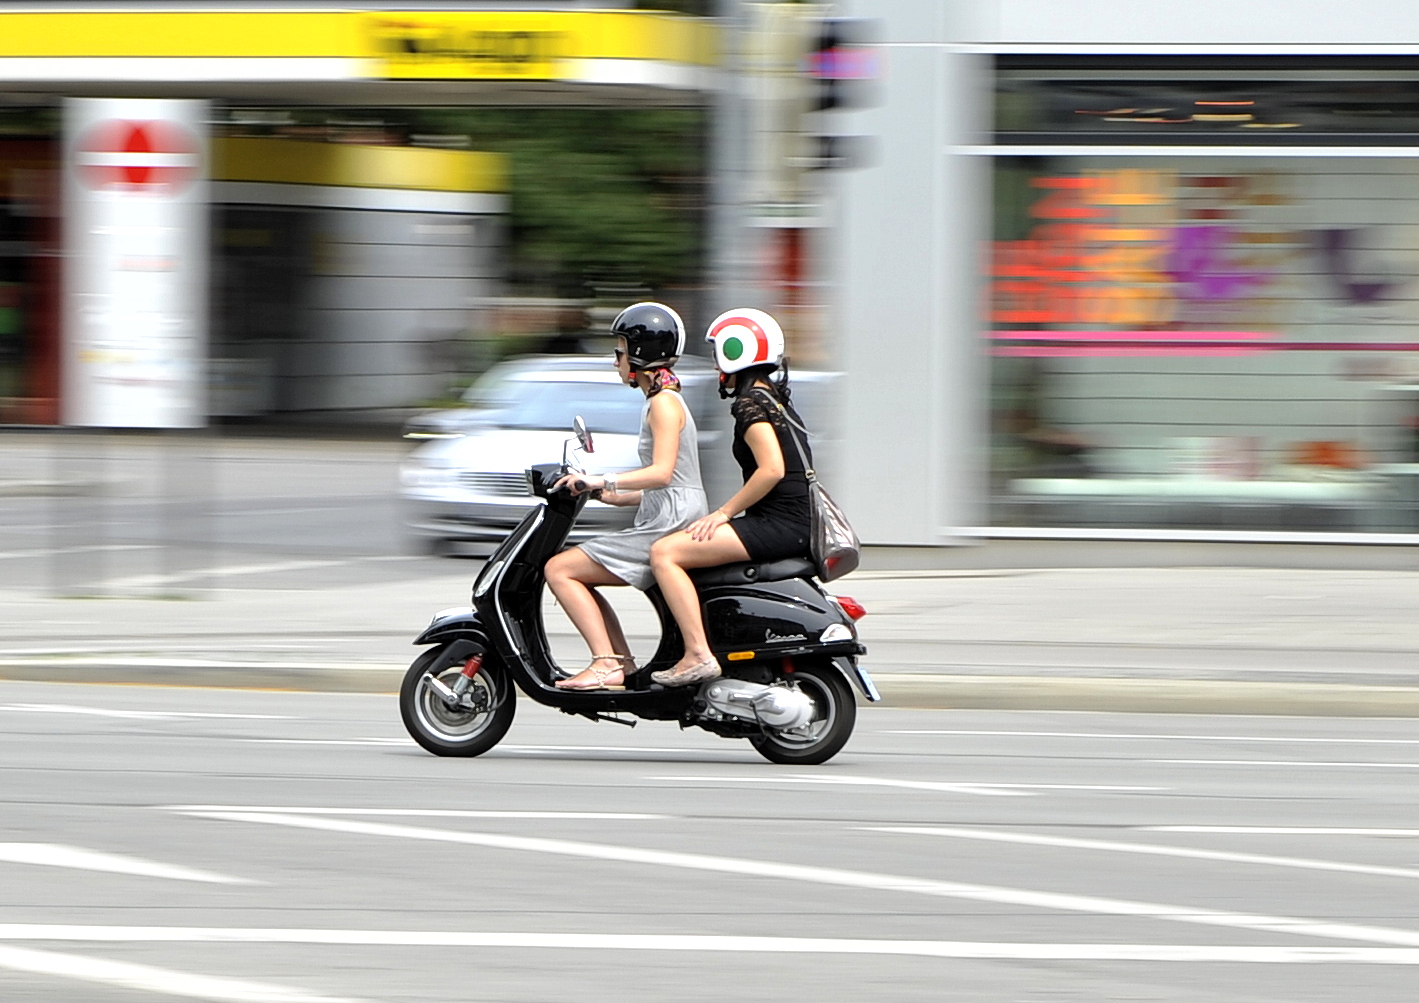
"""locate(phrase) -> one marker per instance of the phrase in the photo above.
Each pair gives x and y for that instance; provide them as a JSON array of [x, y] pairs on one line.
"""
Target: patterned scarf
[[661, 378]]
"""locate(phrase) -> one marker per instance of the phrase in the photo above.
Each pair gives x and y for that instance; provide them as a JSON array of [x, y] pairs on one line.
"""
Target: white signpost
[[135, 275]]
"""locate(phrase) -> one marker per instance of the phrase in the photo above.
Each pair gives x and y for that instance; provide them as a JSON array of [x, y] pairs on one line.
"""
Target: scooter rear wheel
[[835, 713], [457, 731]]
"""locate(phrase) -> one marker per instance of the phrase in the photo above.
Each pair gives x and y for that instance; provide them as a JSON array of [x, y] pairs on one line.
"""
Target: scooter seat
[[746, 572]]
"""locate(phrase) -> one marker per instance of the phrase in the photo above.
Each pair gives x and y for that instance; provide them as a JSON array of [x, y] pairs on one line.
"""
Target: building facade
[[345, 261], [1123, 271]]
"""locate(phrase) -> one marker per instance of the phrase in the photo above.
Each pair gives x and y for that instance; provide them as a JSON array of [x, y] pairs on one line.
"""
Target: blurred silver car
[[487, 395], [471, 487]]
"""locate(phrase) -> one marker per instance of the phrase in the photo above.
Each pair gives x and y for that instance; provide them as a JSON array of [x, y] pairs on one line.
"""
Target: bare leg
[[619, 644], [670, 556], [571, 575]]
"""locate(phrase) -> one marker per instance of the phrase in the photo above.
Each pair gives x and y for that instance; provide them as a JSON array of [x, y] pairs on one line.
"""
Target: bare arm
[[666, 420], [763, 443]]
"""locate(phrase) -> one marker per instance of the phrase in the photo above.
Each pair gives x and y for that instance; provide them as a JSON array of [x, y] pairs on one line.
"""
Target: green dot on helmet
[[733, 348]]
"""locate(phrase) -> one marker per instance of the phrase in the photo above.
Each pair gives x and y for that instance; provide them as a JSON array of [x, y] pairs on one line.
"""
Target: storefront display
[[1210, 341]]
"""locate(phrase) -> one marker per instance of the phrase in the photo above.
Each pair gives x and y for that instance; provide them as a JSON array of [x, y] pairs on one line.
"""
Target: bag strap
[[808, 471]]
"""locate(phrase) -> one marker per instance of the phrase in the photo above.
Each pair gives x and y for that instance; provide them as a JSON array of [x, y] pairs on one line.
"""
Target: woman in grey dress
[[666, 490]]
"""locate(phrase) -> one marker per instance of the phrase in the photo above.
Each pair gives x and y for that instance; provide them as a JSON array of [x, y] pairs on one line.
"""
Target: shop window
[[1206, 341], [1249, 101]]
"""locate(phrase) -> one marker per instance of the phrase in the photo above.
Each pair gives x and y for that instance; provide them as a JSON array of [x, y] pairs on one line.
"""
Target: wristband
[[610, 483]]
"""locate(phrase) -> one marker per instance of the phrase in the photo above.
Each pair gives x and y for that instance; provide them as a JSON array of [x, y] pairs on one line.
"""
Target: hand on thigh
[[684, 551]]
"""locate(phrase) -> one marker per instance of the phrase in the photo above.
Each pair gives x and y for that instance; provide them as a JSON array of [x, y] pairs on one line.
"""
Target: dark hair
[[746, 378]]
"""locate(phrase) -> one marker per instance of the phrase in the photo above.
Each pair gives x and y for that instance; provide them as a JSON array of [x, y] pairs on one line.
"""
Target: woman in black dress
[[768, 518]]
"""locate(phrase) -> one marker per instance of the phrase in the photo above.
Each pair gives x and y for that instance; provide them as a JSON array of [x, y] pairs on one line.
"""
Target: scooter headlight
[[486, 579]]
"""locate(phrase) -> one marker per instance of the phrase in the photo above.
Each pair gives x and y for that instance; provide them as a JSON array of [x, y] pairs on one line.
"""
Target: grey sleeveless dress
[[662, 510]]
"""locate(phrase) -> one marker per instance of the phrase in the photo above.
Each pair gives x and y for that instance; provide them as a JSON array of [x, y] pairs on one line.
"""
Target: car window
[[493, 389], [606, 407]]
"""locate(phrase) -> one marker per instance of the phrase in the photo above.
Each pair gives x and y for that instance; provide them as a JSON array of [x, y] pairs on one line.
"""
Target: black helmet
[[654, 333]]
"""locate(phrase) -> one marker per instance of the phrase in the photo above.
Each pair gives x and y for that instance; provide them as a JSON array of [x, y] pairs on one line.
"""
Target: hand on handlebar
[[579, 484]]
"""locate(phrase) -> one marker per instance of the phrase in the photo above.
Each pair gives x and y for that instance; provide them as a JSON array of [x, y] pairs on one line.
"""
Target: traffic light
[[841, 70], [842, 64]]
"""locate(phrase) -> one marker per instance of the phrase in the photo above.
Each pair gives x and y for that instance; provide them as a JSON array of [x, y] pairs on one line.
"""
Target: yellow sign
[[562, 45], [471, 46]]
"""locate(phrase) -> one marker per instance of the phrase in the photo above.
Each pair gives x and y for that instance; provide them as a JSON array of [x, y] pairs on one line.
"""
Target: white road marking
[[983, 790], [1282, 830], [1161, 851], [327, 741], [11, 555], [231, 570], [747, 867], [55, 855], [1280, 762], [236, 570], [691, 942], [959, 787], [55, 708], [1122, 735], [602, 748], [416, 812], [146, 978], [252, 512]]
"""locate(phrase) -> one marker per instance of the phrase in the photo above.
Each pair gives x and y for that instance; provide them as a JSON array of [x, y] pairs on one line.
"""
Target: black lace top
[[788, 499]]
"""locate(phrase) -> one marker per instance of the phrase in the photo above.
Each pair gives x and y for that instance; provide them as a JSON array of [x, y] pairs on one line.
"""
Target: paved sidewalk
[[1178, 639]]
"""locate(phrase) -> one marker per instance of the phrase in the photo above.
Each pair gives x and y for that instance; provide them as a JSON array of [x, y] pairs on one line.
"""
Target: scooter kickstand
[[598, 716]]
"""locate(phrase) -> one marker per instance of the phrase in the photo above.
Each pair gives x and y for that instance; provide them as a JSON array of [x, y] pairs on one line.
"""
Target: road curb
[[50, 489], [908, 690], [1146, 696]]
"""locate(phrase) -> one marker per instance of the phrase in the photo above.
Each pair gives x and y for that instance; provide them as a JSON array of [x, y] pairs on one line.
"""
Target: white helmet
[[745, 337]]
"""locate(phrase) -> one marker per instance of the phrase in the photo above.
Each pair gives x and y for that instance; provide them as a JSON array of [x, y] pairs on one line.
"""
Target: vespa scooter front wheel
[[451, 719], [822, 738]]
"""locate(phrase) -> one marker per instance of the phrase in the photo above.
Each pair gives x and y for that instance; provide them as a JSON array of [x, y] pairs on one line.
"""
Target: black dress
[[777, 525]]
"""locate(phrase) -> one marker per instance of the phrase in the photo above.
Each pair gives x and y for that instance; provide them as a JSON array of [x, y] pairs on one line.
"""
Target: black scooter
[[788, 650]]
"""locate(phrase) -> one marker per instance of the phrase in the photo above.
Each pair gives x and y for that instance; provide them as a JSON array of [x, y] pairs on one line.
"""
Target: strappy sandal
[[599, 676], [628, 668]]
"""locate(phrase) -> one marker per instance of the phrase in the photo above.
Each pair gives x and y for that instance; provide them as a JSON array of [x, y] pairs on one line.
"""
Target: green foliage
[[599, 196]]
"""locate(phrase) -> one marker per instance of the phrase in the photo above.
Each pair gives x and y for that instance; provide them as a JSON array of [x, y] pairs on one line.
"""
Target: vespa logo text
[[770, 636]]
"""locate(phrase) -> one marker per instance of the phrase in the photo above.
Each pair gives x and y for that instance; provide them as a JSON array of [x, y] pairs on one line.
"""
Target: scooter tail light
[[852, 607]]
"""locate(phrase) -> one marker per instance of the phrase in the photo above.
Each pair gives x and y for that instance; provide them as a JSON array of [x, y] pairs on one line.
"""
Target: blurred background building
[[1134, 271], [1071, 270]]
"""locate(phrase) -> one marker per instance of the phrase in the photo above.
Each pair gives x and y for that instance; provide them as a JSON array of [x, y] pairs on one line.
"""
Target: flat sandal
[[599, 674]]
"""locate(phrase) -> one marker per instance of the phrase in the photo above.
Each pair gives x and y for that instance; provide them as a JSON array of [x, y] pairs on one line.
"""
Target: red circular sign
[[155, 157]]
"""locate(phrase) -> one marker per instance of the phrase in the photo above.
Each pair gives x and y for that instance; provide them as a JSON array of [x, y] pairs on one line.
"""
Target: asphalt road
[[299, 848]]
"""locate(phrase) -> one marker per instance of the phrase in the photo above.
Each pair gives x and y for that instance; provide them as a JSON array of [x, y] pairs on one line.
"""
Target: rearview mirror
[[583, 434]]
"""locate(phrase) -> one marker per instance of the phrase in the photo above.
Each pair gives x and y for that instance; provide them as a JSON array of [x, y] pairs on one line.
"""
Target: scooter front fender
[[458, 623]]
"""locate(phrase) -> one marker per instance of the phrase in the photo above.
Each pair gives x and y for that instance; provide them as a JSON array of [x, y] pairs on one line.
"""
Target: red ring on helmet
[[761, 354]]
